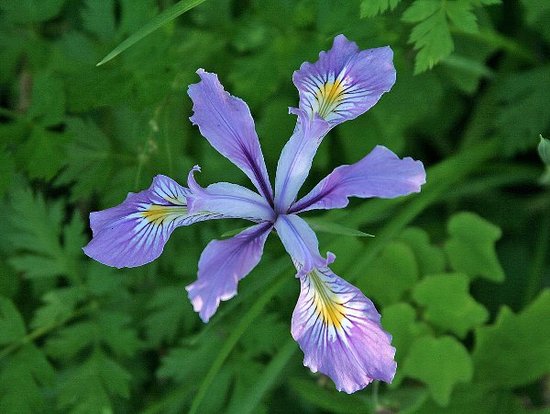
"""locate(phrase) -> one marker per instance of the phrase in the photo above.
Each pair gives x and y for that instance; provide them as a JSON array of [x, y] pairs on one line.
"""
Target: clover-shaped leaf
[[522, 340], [391, 274], [430, 258], [471, 246], [440, 363], [448, 304]]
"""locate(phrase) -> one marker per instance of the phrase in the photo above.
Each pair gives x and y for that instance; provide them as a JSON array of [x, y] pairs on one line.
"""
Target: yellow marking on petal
[[329, 96], [157, 214], [327, 302]]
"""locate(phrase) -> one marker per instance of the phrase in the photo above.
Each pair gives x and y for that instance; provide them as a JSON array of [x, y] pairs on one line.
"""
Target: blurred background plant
[[457, 271]]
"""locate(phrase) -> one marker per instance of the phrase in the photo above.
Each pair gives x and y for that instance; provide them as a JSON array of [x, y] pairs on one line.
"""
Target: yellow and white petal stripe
[[135, 232], [339, 331], [345, 81]]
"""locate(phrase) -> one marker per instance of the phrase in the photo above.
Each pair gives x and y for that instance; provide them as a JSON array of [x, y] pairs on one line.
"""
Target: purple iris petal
[[296, 158], [231, 200], [301, 243], [226, 123], [222, 264], [339, 331], [380, 174], [134, 232], [345, 81]]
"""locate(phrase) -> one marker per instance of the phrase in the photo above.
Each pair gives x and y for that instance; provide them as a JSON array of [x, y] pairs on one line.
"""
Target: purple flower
[[336, 326]]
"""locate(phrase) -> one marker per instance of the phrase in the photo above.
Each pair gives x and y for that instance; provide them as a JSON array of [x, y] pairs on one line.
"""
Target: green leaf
[[91, 385], [440, 363], [71, 340], [42, 155], [167, 312], [471, 398], [430, 258], [335, 228], [30, 11], [36, 229], [522, 341], [232, 340], [524, 111], [7, 171], [371, 8], [268, 378], [390, 275], [59, 305], [48, 100], [98, 18], [166, 16], [432, 39], [460, 13], [330, 400], [471, 246], [23, 380], [448, 304], [432, 36], [12, 326], [401, 322], [90, 159]]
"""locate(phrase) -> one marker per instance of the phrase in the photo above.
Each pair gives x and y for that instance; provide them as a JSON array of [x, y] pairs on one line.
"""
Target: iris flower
[[336, 326]]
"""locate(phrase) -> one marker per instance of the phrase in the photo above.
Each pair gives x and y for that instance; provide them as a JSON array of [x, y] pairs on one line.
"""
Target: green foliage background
[[457, 271]]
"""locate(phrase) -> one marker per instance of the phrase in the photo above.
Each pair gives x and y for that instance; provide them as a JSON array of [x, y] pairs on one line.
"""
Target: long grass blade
[[166, 16]]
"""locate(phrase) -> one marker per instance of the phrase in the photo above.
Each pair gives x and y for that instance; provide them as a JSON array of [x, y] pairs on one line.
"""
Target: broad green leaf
[[522, 341], [471, 398], [23, 380], [430, 258], [371, 8], [440, 363], [166, 16], [448, 304], [42, 155], [323, 226], [390, 275], [537, 15], [329, 399], [12, 326], [524, 112], [48, 100], [401, 322], [471, 246], [31, 11], [98, 18]]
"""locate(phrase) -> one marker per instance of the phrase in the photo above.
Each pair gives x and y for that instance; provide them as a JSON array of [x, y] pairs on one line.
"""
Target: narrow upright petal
[[231, 200], [300, 243], [339, 331], [345, 82], [296, 158], [380, 174], [222, 264], [226, 123], [135, 232]]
